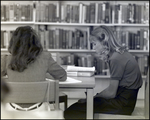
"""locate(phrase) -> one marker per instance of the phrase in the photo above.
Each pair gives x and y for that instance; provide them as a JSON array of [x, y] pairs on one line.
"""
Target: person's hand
[[82, 101]]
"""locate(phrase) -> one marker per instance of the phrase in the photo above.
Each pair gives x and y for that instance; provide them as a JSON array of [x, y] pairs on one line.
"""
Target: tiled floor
[[138, 112]]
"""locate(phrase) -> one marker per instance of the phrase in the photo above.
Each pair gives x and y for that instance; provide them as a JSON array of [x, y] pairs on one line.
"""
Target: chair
[[34, 92]]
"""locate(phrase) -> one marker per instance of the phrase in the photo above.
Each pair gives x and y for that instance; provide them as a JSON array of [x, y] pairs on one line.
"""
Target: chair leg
[[65, 103]]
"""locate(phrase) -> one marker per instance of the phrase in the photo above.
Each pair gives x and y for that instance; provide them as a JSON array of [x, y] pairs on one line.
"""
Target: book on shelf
[[80, 73]]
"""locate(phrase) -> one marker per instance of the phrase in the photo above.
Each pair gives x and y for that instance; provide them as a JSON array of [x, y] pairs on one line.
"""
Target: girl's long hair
[[105, 34], [24, 46]]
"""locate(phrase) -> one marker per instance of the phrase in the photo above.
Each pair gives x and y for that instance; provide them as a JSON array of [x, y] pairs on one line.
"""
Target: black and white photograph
[[75, 59]]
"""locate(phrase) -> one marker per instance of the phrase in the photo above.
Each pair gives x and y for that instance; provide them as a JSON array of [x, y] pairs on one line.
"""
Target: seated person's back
[[27, 61]]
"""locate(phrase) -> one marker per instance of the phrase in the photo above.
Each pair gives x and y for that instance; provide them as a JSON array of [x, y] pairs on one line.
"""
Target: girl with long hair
[[121, 94]]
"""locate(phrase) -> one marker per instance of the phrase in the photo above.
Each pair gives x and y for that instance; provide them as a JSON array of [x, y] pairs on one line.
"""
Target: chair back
[[33, 92]]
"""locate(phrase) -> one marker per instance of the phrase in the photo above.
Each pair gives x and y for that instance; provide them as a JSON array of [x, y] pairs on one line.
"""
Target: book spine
[[2, 12], [67, 39], [92, 13], [54, 39], [146, 6], [142, 14], [7, 12], [70, 39], [107, 12], [141, 38], [96, 12], [80, 12], [146, 39], [138, 40], [46, 13], [11, 12], [99, 13], [103, 12], [68, 14], [88, 14], [46, 39], [63, 13], [84, 14], [50, 39], [61, 39], [57, 38]]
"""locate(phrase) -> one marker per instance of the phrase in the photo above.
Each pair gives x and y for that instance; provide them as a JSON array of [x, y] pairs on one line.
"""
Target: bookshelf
[[78, 19]]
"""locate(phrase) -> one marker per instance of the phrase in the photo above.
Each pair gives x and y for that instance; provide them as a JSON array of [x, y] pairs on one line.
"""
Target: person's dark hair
[[24, 46], [105, 35]]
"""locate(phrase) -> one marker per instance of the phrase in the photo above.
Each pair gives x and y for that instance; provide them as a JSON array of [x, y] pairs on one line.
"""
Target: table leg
[[89, 112]]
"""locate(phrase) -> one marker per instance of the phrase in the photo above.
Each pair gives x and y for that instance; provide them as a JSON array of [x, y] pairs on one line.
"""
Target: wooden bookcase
[[79, 24]]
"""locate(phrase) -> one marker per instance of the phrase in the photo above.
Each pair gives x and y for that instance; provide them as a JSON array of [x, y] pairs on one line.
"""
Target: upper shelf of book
[[70, 24]]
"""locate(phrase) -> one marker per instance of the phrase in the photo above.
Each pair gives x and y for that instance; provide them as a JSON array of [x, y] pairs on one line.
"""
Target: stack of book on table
[[80, 71]]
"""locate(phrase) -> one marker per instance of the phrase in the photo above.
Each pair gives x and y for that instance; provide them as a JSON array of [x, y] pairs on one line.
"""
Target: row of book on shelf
[[101, 67], [103, 12], [16, 12], [60, 38]]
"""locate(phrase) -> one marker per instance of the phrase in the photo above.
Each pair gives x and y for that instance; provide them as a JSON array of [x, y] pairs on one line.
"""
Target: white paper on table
[[70, 81], [77, 68]]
